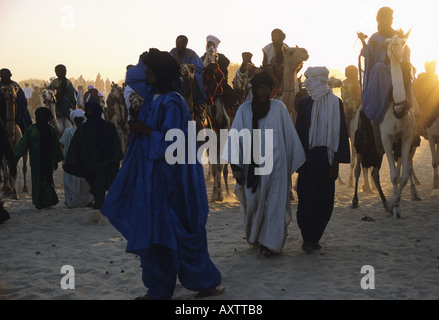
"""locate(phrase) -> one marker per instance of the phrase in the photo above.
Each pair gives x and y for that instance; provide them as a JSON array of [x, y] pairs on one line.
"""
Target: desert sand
[[404, 253]]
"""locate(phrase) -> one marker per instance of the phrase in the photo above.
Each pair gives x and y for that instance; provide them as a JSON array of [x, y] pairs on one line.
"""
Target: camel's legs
[[376, 180], [357, 173], [434, 148]]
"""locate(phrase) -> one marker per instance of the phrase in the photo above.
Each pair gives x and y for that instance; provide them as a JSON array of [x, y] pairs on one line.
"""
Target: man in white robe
[[76, 189], [264, 198]]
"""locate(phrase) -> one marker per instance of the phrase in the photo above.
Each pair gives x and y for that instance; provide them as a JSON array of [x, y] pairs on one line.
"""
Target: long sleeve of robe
[[267, 212], [43, 190]]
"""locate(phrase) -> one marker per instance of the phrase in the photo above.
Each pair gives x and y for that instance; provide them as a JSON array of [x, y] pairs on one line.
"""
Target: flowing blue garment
[[152, 202], [192, 58], [376, 81], [136, 79]]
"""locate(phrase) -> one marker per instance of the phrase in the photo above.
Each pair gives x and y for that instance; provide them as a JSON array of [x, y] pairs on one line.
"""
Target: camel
[[14, 135], [58, 120], [188, 76], [398, 123], [117, 113], [240, 88], [212, 77], [198, 115], [136, 102], [293, 62], [49, 101]]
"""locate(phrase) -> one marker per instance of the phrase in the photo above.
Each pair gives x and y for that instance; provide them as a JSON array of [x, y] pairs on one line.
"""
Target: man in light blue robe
[[375, 77], [161, 208]]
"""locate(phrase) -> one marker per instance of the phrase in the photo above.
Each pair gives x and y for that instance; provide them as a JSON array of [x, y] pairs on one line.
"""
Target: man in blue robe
[[322, 130], [375, 76], [22, 116], [162, 208], [186, 55]]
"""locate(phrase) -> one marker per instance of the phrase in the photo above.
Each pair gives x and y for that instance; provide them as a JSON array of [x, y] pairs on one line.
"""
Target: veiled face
[[263, 93], [150, 76]]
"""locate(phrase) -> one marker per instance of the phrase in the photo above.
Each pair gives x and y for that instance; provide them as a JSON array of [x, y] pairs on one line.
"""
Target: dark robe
[[43, 188], [84, 160], [315, 189]]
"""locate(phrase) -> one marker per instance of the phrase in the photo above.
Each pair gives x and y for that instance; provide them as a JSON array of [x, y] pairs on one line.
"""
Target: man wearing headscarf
[[264, 194], [228, 95], [322, 129], [159, 207], [41, 141], [272, 61], [95, 153], [76, 189], [65, 94]]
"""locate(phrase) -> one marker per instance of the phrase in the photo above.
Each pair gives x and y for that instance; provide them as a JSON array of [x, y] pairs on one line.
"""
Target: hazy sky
[[91, 36]]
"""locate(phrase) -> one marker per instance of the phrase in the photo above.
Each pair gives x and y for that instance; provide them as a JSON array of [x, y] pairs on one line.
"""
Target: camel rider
[[65, 94], [228, 95], [351, 93], [186, 55], [375, 76], [273, 58], [22, 117], [426, 89]]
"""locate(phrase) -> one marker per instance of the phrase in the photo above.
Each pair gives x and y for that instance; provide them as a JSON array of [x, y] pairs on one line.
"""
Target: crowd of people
[[161, 208]]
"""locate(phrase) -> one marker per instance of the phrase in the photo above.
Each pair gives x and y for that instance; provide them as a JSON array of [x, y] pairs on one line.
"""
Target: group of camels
[[397, 125]]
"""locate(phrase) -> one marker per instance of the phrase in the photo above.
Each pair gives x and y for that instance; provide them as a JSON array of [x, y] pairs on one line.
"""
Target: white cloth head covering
[[77, 113], [215, 40], [325, 115]]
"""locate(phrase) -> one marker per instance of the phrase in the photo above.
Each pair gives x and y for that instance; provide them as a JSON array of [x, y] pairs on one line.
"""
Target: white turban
[[325, 114], [213, 39], [77, 113]]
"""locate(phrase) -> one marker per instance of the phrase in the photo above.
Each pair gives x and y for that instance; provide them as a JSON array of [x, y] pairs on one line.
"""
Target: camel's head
[[48, 96], [10, 92], [395, 48], [239, 83], [187, 71], [294, 57], [335, 83], [211, 55], [116, 91], [136, 102]]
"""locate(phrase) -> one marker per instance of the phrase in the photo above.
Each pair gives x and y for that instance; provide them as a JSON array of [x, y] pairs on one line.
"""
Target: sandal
[[267, 252], [210, 292]]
